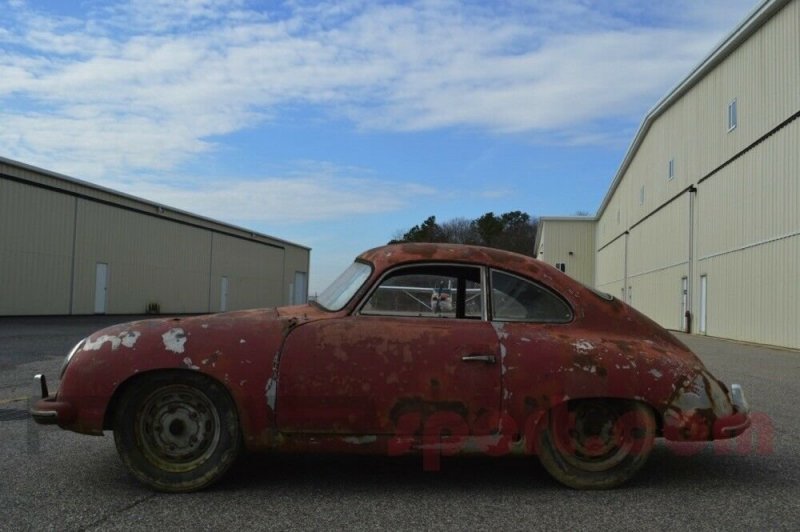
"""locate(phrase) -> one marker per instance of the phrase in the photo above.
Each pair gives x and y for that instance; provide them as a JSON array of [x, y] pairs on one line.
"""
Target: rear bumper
[[738, 422], [708, 412], [46, 409]]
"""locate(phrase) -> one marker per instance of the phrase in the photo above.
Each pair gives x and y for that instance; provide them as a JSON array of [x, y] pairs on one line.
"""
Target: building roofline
[[567, 218], [747, 27], [159, 208]]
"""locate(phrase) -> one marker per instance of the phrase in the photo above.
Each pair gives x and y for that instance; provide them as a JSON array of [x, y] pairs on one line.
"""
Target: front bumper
[[46, 409]]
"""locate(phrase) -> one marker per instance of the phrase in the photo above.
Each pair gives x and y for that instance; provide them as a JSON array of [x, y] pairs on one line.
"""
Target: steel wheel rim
[[595, 437], [178, 428]]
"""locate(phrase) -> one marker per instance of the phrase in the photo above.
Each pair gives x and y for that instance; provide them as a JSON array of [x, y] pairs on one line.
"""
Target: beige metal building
[[700, 228], [69, 247], [569, 245]]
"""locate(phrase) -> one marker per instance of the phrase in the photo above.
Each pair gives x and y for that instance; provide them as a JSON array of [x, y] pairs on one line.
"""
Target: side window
[[516, 299], [435, 290]]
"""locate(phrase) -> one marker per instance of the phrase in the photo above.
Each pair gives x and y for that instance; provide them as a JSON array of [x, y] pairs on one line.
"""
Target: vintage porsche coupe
[[433, 349]]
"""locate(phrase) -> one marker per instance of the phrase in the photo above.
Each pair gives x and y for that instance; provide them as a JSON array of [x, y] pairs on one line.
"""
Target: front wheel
[[596, 444], [177, 432]]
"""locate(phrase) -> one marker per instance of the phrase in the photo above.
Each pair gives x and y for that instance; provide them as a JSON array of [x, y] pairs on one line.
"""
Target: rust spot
[[417, 405]]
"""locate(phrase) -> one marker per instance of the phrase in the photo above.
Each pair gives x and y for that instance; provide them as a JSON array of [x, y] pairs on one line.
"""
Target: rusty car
[[435, 349]]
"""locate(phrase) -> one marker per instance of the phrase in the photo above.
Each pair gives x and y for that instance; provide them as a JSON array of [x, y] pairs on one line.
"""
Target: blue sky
[[338, 125]]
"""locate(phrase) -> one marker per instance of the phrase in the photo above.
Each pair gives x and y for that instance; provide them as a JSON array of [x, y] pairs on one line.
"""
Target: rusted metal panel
[[362, 374]]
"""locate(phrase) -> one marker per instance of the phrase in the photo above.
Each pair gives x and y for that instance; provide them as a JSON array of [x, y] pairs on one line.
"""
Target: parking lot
[[52, 479]]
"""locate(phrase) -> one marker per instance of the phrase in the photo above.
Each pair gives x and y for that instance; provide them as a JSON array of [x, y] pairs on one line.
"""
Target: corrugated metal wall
[[36, 233], [54, 232], [748, 243], [570, 242], [658, 258], [255, 274], [610, 269], [743, 235]]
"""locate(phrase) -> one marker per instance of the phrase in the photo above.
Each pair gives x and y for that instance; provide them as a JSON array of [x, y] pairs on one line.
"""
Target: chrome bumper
[[738, 399], [39, 399], [738, 422]]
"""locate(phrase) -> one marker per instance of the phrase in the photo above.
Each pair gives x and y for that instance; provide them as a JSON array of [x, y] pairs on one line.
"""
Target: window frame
[[733, 115], [671, 169], [490, 300], [394, 270]]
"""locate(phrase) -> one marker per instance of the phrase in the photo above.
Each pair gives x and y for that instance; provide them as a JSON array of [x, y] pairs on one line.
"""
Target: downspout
[[625, 291], [690, 273]]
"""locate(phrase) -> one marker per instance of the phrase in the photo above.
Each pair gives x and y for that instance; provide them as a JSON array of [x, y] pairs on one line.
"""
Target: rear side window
[[517, 299]]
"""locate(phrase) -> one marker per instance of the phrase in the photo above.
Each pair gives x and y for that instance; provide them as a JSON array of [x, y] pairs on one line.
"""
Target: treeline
[[512, 231]]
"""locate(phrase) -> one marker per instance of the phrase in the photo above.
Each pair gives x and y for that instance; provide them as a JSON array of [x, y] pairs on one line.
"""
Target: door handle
[[486, 359]]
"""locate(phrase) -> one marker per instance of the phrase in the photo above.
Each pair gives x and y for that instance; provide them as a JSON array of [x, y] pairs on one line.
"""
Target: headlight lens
[[69, 357]]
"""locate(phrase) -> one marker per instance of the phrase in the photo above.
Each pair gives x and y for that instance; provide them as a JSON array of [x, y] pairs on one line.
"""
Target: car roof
[[394, 254]]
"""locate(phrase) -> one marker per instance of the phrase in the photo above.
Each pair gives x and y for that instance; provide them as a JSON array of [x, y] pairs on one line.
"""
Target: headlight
[[69, 357]]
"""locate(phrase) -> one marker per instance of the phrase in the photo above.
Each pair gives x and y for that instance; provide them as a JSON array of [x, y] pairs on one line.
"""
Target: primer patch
[[174, 340]]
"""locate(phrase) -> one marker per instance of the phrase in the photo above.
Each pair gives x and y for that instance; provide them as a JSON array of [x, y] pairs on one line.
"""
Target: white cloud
[[318, 192], [146, 84]]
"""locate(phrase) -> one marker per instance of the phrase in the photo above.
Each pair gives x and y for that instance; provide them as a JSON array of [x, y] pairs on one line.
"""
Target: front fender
[[236, 349]]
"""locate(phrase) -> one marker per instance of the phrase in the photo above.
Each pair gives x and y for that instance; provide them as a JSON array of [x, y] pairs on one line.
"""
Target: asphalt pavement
[[51, 479]]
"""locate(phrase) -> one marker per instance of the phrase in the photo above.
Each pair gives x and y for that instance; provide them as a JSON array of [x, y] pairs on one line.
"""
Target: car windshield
[[336, 296]]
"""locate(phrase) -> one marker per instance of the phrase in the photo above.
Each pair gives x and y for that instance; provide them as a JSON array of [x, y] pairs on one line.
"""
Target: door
[[703, 303], [418, 350], [101, 288], [223, 294], [300, 288], [361, 375]]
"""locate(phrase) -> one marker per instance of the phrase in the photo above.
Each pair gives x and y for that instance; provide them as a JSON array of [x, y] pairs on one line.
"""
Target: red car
[[429, 348]]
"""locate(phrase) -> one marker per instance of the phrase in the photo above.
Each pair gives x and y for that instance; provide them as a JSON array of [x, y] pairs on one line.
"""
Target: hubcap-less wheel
[[597, 444], [179, 428], [177, 431]]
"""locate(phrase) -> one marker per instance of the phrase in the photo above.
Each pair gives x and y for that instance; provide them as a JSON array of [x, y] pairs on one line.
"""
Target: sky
[[340, 125]]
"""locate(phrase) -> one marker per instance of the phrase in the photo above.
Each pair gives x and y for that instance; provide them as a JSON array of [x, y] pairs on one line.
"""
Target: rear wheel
[[596, 444], [177, 432]]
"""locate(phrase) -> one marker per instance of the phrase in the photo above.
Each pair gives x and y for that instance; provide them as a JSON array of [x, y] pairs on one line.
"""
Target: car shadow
[[674, 466]]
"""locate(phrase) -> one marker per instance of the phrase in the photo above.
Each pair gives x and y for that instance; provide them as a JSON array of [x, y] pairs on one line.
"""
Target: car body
[[430, 348]]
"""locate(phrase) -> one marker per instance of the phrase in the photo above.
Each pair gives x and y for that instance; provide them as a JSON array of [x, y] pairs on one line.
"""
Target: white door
[[223, 294], [100, 288], [684, 303], [300, 288], [703, 302]]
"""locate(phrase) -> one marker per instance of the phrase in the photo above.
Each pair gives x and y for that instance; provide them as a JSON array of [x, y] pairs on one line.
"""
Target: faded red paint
[[305, 379]]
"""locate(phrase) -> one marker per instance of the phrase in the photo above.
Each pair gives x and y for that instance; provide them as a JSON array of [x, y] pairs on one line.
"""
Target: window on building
[[561, 266], [733, 118], [641, 195], [671, 169]]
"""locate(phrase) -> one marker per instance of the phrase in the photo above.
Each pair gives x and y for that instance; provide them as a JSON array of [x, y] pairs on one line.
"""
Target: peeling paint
[[174, 340], [655, 373], [189, 364], [499, 329], [130, 338], [583, 346], [126, 339], [98, 343], [271, 393]]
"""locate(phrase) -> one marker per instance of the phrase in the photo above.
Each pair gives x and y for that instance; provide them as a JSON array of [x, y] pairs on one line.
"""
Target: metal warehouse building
[[701, 226], [69, 247]]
